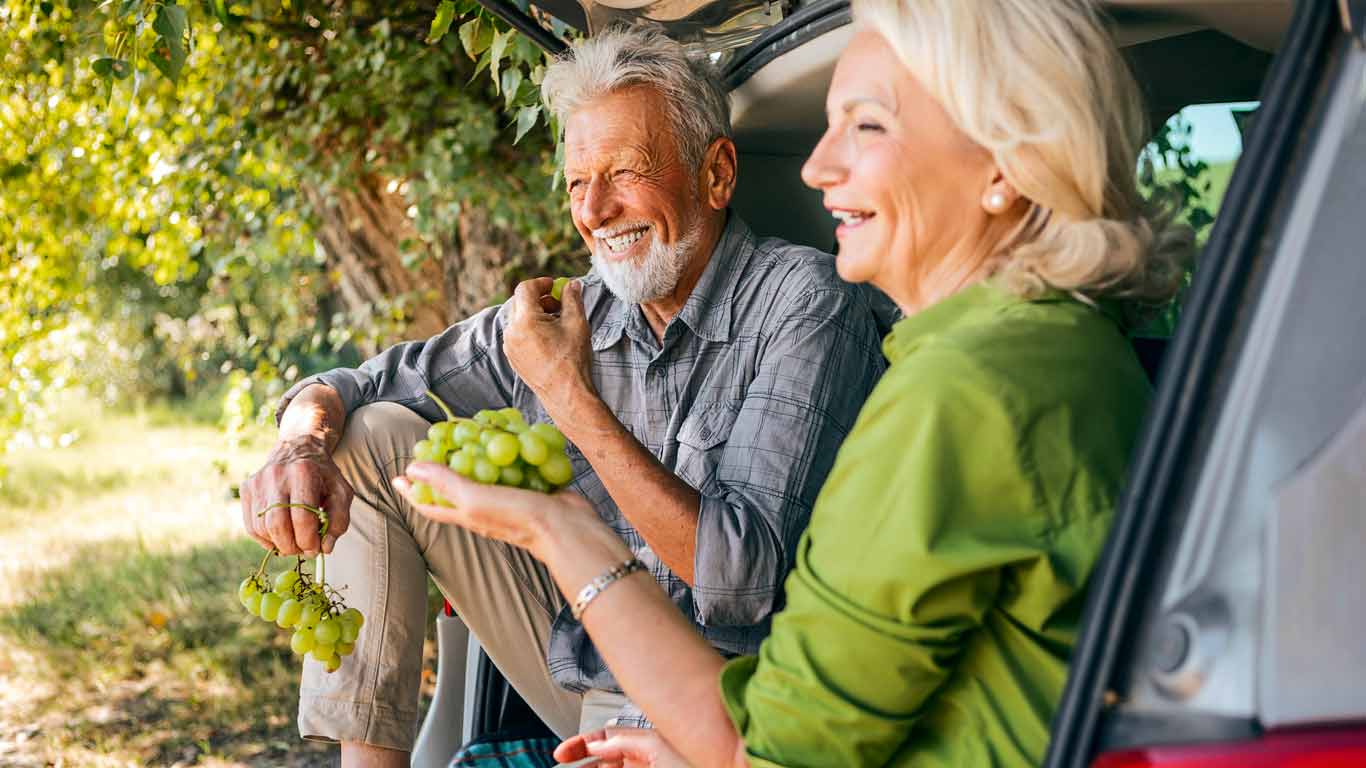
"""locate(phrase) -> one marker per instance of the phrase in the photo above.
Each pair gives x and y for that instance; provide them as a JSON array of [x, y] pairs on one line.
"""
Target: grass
[[121, 639]]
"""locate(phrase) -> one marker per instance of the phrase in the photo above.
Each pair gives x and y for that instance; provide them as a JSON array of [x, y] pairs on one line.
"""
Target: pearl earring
[[996, 202]]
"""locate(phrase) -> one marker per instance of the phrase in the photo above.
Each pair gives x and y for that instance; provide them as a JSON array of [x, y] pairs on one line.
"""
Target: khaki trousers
[[380, 565]]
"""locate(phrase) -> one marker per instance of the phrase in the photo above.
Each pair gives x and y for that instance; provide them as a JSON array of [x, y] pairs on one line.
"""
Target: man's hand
[[550, 352], [298, 471]]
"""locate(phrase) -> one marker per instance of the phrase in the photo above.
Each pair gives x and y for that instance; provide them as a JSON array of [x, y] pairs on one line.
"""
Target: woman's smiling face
[[904, 183]]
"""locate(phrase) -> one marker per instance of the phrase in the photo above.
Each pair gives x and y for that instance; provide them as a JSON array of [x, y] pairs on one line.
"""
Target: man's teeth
[[851, 217], [621, 242]]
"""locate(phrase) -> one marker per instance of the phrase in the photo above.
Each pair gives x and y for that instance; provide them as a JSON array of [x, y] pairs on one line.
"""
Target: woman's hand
[[561, 530], [621, 748]]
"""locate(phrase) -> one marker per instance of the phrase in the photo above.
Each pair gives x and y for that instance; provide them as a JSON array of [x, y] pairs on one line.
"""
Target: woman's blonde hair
[[1042, 86]]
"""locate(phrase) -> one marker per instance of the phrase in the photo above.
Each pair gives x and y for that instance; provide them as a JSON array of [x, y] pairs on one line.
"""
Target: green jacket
[[936, 593]]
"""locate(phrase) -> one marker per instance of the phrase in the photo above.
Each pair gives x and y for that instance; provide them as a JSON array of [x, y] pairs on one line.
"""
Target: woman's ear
[[718, 174], [999, 196]]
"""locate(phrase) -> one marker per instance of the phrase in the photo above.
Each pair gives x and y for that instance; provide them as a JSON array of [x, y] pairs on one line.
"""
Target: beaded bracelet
[[595, 587]]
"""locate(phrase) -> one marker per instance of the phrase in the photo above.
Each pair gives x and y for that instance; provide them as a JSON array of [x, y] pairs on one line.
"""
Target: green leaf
[[496, 51], [512, 80], [526, 120], [171, 24], [445, 14], [109, 68], [468, 31]]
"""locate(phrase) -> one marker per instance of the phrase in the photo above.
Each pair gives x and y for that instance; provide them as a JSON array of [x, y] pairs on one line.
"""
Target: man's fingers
[[571, 300], [279, 525], [305, 487], [528, 296], [337, 504], [249, 521]]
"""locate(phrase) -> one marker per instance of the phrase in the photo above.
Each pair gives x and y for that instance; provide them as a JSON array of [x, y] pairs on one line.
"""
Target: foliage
[[1170, 174], [161, 161]]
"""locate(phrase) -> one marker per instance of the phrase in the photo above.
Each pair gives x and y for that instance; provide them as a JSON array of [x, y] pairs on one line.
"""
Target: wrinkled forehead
[[630, 123]]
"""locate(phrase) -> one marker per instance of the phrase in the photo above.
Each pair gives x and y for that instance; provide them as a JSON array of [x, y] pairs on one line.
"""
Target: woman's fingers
[[576, 747], [496, 512], [631, 747]]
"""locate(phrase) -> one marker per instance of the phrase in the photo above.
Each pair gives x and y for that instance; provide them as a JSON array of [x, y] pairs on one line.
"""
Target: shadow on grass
[[153, 659]]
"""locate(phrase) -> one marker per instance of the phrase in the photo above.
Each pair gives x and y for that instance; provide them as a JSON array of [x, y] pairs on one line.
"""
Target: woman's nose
[[824, 168]]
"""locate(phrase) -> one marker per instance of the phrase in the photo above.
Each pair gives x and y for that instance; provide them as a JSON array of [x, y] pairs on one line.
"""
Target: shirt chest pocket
[[702, 440]]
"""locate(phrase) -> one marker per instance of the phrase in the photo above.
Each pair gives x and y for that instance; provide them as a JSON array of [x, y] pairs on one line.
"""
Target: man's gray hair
[[621, 57]]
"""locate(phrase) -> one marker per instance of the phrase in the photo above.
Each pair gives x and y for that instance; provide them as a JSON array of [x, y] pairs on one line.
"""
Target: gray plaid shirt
[[748, 396]]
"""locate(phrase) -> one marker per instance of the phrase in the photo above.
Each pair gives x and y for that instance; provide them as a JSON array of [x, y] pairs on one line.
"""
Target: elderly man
[[703, 376]]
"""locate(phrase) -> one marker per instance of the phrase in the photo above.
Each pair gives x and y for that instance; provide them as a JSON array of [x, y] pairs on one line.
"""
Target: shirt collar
[[983, 297], [707, 312]]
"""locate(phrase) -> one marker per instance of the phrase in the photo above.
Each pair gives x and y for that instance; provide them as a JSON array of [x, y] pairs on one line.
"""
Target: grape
[[285, 582], [473, 450], [345, 649], [511, 475], [486, 471], [516, 427], [423, 494], [466, 432], [533, 449], [353, 616], [557, 470], [424, 450], [290, 611], [503, 449], [462, 463], [349, 632], [253, 604], [441, 432], [311, 614], [270, 606], [247, 589], [557, 288], [552, 436], [333, 663], [328, 631], [302, 642], [323, 651], [487, 418], [487, 436], [511, 414]]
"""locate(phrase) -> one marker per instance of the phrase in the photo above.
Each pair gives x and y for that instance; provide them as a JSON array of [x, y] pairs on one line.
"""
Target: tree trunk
[[359, 231]]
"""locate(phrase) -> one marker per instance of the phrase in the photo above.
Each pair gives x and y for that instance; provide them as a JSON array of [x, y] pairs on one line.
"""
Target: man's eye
[[624, 173], [869, 127]]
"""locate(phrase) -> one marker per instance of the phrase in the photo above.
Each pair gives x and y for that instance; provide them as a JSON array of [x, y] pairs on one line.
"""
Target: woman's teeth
[[851, 218]]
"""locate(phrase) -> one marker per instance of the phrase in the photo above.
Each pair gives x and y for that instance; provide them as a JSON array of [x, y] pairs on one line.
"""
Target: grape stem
[[450, 415], [317, 511], [261, 569]]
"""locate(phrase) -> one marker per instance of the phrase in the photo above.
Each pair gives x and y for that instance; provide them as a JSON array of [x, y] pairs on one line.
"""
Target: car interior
[[778, 60]]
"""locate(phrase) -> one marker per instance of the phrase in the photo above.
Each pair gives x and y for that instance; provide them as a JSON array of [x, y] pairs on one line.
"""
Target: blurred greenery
[[163, 165]]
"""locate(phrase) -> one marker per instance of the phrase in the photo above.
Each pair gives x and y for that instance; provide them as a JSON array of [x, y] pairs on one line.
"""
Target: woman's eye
[[867, 127]]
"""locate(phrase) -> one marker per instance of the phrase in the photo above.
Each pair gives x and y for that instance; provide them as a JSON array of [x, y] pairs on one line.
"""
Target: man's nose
[[600, 204]]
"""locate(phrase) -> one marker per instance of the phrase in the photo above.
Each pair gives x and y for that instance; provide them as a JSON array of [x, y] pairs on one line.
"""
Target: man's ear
[[718, 174]]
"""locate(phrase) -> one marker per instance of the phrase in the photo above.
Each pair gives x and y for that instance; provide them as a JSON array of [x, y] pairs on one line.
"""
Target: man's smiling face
[[632, 199]]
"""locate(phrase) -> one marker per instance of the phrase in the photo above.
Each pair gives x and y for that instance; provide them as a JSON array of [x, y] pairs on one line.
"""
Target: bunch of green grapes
[[324, 627], [495, 447]]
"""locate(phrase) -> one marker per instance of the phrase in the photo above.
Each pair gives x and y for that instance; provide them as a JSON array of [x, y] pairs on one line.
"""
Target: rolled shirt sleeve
[[816, 367], [463, 365]]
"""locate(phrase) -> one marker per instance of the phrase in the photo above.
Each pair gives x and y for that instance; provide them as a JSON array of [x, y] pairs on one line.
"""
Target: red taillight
[[1316, 748]]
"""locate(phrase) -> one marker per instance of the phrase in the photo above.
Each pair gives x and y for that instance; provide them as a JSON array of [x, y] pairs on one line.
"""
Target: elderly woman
[[987, 186]]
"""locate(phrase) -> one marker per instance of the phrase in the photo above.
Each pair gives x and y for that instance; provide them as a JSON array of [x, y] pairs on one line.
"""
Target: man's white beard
[[654, 277]]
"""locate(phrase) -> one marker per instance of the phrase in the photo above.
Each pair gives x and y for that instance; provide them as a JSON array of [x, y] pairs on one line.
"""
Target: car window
[[1188, 164]]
